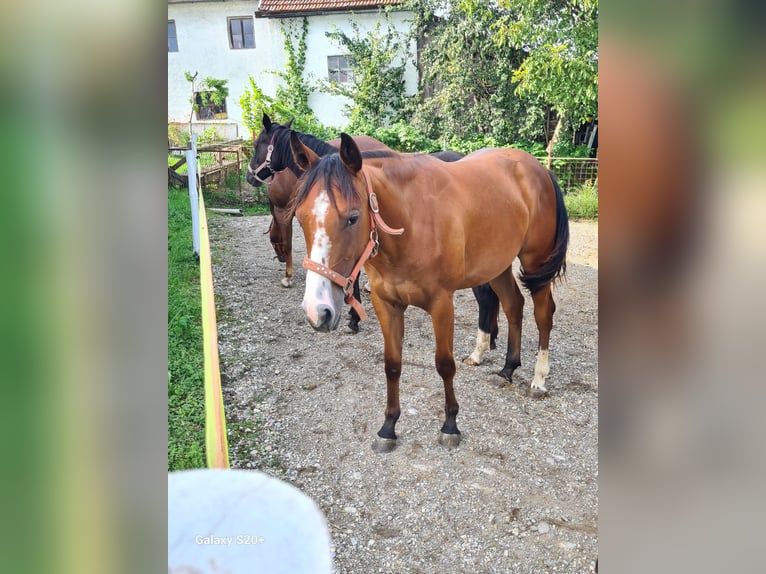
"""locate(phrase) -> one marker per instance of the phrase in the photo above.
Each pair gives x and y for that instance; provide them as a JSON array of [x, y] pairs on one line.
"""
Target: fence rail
[[573, 172], [219, 163]]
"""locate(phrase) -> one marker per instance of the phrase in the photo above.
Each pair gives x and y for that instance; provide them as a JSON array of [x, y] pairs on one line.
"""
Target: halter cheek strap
[[370, 251], [263, 172]]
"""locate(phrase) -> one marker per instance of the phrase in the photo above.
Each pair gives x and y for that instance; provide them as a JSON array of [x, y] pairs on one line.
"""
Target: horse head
[[266, 160], [333, 212]]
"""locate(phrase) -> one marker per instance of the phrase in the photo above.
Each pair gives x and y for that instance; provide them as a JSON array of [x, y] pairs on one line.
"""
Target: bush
[[405, 138], [583, 202]]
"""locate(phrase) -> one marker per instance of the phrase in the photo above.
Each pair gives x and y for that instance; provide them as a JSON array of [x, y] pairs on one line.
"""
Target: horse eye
[[352, 220]]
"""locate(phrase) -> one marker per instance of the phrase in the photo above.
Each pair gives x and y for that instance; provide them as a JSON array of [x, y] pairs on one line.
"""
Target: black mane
[[283, 155]]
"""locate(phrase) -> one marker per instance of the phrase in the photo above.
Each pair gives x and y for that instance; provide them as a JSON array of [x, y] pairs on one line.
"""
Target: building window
[[172, 38], [207, 109], [339, 69], [241, 34]]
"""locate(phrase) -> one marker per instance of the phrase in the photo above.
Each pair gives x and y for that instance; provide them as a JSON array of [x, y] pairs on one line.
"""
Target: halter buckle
[[374, 207]]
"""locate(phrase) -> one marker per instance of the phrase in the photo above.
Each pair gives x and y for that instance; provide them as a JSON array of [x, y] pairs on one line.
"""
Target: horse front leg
[[391, 318], [442, 313]]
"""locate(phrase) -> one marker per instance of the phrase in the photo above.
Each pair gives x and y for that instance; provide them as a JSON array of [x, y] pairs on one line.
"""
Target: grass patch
[[229, 198], [186, 395], [582, 203]]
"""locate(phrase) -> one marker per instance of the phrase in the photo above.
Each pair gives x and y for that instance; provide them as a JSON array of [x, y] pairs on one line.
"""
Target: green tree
[[467, 77], [560, 38]]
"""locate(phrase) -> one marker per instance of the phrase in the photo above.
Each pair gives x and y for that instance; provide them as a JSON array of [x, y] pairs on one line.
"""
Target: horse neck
[[392, 203], [286, 160]]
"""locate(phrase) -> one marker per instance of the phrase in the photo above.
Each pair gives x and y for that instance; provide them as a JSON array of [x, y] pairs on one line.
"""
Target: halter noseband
[[263, 172], [370, 251]]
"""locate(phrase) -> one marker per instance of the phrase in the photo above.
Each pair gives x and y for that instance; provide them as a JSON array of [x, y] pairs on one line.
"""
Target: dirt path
[[520, 494]]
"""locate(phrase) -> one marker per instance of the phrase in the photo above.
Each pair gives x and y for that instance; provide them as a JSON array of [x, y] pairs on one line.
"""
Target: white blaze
[[318, 288]]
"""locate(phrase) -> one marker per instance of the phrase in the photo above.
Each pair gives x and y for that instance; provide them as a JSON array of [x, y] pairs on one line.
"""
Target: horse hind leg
[[544, 310], [512, 300], [489, 307]]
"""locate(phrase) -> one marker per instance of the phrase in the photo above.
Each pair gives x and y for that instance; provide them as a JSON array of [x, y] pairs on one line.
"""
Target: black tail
[[555, 265]]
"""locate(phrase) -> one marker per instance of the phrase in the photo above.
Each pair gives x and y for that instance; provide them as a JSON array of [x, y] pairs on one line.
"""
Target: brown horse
[[422, 229]]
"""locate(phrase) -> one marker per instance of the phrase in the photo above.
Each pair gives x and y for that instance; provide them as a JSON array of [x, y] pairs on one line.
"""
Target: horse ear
[[304, 156], [266, 121], [290, 123], [350, 154]]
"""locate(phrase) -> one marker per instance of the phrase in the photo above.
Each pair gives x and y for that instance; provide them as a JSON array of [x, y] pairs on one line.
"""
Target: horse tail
[[555, 265]]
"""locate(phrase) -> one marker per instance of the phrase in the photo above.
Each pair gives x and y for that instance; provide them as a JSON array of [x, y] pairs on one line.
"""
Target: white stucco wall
[[203, 46], [329, 108]]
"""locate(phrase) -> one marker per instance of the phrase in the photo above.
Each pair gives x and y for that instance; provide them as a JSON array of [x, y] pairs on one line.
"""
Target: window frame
[[175, 35], [241, 19], [339, 70]]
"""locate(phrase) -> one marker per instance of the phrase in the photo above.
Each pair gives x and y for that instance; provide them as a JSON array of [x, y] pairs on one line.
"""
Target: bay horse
[[422, 229], [272, 163]]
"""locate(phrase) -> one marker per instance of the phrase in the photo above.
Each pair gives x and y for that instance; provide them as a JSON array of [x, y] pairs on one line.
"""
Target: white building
[[233, 39]]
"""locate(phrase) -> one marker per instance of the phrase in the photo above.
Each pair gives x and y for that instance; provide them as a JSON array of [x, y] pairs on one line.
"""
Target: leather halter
[[263, 172], [370, 251]]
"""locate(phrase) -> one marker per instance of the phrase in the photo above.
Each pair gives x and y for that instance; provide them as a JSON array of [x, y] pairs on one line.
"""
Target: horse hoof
[[470, 361], [354, 326], [536, 393], [499, 382], [383, 445], [449, 440], [287, 282]]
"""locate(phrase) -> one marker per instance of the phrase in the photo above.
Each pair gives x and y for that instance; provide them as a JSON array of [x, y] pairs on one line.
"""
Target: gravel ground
[[520, 493]]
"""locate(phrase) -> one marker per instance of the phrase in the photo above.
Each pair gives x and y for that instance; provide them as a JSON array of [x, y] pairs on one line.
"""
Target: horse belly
[[491, 250]]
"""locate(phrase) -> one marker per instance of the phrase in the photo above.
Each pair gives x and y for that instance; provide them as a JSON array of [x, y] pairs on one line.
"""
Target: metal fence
[[573, 172], [222, 167]]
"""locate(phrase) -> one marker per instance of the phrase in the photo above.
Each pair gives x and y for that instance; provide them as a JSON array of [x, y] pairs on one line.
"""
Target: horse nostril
[[325, 315]]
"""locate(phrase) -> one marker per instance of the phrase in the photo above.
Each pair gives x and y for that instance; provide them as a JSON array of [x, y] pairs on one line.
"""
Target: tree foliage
[[467, 73], [211, 90], [497, 70], [376, 91], [291, 100], [560, 38]]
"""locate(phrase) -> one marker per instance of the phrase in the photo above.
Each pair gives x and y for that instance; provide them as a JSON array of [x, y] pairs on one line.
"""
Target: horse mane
[[331, 170], [282, 146], [380, 153]]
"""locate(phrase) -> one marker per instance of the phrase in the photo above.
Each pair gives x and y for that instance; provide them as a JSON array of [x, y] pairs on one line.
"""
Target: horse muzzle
[[324, 314], [256, 177], [279, 249]]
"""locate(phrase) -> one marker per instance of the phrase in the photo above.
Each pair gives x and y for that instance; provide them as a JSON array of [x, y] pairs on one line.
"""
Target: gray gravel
[[520, 493]]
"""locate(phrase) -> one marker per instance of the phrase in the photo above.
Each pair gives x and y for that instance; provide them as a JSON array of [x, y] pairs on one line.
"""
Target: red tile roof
[[274, 7]]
